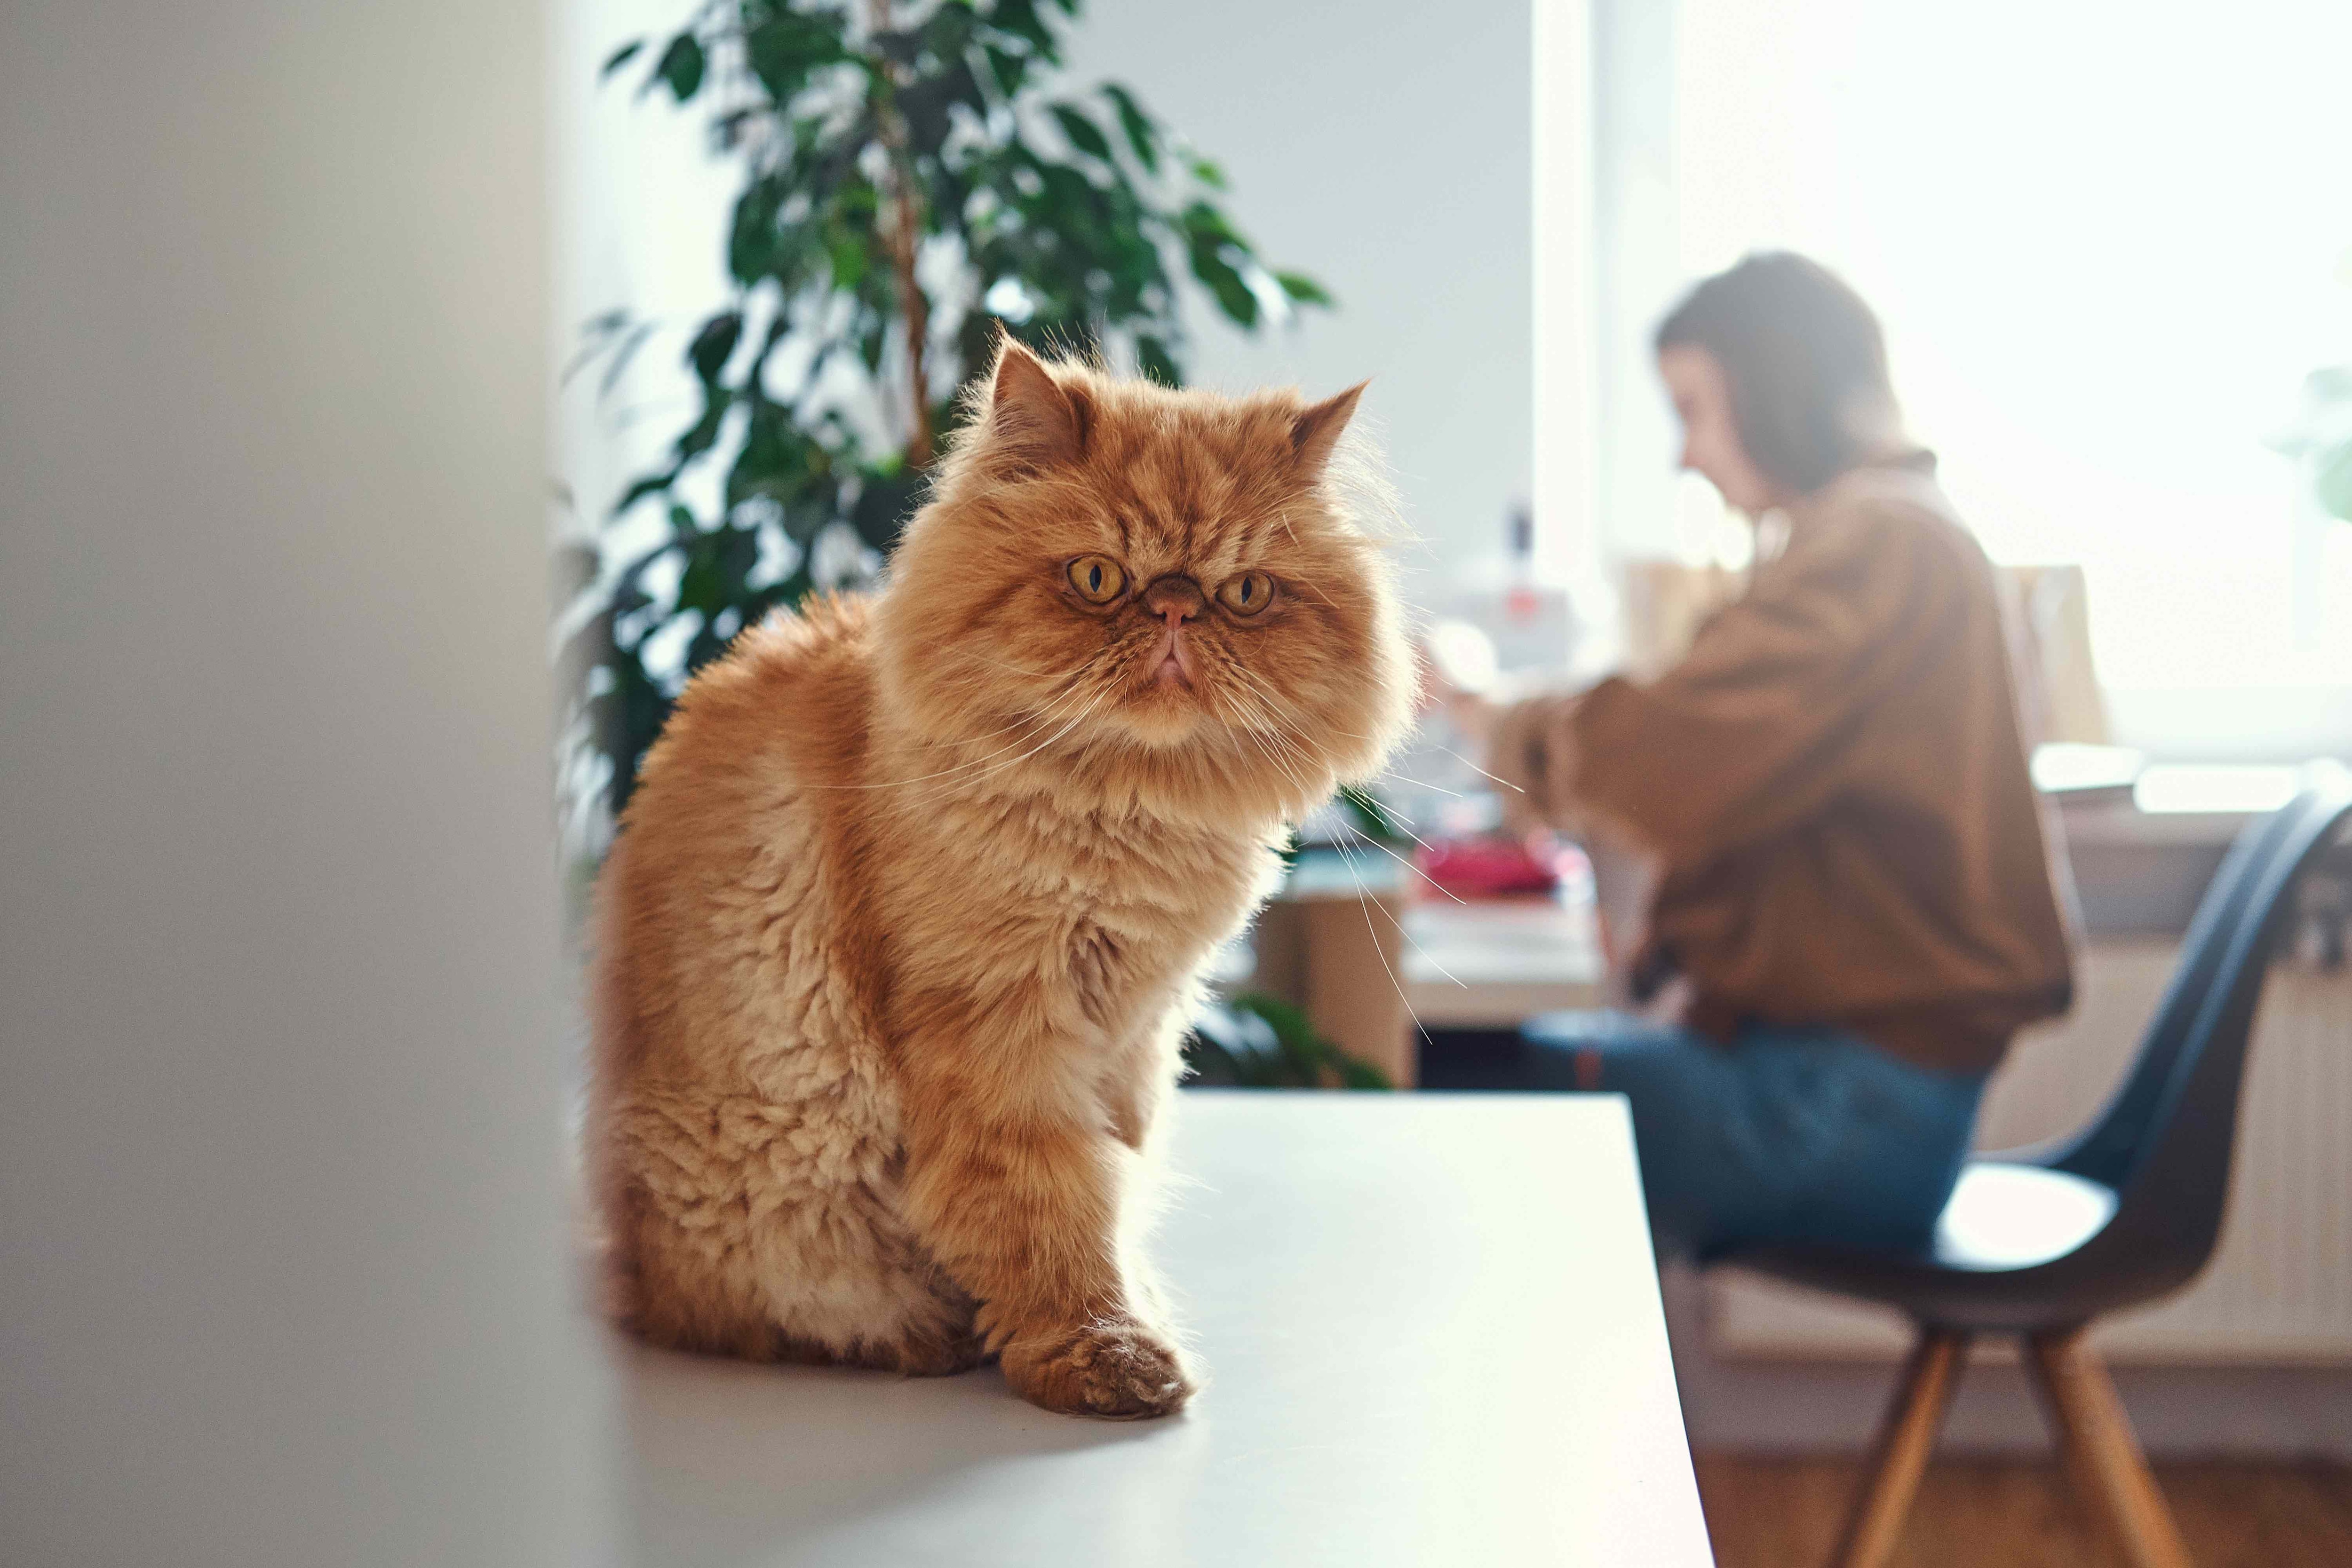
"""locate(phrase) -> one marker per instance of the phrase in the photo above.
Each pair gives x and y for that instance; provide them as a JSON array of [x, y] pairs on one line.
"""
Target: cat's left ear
[[1316, 431], [1034, 423]]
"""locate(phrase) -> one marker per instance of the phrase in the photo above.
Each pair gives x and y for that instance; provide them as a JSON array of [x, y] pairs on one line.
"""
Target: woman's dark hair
[[1804, 363]]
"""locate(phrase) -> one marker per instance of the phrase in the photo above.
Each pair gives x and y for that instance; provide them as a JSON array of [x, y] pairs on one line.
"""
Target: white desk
[[1432, 1333]]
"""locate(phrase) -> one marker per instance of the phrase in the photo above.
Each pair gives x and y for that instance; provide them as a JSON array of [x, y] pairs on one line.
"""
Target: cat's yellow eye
[[1247, 594], [1097, 578]]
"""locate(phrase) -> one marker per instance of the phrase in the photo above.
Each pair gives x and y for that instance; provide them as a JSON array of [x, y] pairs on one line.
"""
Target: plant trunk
[[905, 233]]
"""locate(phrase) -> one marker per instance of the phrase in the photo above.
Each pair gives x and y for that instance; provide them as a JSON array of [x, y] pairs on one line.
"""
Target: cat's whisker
[[1271, 702], [1376, 844], [1289, 742], [1309, 793], [1259, 682], [1093, 704], [1425, 784], [1399, 825], [1301, 791], [1371, 901], [1482, 772], [1458, 757], [1271, 735], [1028, 727], [1366, 900], [1414, 869], [1000, 664], [1020, 728], [1409, 935]]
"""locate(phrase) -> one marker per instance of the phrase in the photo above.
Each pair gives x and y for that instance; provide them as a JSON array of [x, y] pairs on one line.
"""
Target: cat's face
[[1111, 565]]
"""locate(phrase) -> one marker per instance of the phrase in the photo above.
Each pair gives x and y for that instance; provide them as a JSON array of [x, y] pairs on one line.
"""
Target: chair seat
[[2003, 1216], [2004, 1255]]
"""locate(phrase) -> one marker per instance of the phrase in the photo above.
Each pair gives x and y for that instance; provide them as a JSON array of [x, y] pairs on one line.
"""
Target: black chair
[[2040, 1242]]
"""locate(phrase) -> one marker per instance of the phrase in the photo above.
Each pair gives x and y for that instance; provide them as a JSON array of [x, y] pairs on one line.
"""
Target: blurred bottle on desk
[[1530, 623]]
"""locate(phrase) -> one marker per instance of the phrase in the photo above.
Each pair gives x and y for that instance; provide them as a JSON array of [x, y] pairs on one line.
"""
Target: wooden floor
[[2004, 1513]]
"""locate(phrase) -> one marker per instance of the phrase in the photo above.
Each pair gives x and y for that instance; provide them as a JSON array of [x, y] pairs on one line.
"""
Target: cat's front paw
[[1119, 1371]]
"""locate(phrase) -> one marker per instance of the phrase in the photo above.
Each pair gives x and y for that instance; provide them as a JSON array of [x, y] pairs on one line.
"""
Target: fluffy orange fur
[[907, 914]]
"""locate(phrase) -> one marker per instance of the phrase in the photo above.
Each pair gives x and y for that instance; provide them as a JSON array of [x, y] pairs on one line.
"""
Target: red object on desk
[[1495, 867]]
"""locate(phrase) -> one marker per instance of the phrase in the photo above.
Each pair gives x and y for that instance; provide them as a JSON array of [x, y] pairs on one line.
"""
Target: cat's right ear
[[1315, 431], [1034, 421]]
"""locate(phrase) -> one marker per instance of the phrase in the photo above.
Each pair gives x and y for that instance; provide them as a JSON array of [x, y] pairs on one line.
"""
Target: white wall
[[282, 1272], [1383, 147], [640, 224]]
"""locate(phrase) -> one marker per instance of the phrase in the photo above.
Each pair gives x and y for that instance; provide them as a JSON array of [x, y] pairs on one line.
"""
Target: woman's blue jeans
[[1803, 1135]]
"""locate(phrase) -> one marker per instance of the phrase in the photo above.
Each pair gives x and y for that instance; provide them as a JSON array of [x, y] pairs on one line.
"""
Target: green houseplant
[[916, 180], [2322, 438], [1258, 1041]]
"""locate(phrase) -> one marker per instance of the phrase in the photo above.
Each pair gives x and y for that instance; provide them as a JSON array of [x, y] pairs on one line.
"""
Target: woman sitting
[[1856, 907]]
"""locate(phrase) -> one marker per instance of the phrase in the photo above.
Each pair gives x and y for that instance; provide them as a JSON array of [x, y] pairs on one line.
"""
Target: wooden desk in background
[[1344, 940]]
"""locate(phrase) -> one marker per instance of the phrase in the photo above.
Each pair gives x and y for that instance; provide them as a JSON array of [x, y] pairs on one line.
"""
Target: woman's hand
[[1457, 672], [1474, 715]]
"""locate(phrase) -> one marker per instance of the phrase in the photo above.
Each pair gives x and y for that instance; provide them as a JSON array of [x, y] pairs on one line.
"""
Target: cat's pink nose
[[1174, 599]]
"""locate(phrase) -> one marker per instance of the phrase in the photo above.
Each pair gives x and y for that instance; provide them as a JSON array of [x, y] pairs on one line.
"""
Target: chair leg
[[2100, 1450], [1907, 1436]]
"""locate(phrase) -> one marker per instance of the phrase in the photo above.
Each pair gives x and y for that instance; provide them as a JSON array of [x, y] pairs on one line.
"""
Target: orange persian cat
[[907, 914]]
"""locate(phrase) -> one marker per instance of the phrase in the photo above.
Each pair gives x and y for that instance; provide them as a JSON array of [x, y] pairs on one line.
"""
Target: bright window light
[[2184, 788], [2109, 239]]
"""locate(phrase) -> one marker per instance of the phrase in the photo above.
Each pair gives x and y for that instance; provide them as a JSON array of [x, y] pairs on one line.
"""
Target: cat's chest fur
[[1114, 913], [1157, 903]]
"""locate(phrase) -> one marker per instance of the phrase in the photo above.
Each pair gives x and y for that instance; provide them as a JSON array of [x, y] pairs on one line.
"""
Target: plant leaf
[[2333, 482], [751, 234], [1304, 290], [1020, 19], [711, 347], [2329, 384], [786, 46], [1369, 815], [1142, 132], [622, 353], [1294, 1057], [1230, 289], [651, 485], [681, 66], [1084, 133], [620, 57], [704, 433], [1153, 359], [883, 505]]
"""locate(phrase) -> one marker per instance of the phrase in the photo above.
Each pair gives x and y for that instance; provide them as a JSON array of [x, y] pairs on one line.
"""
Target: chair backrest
[[2106, 1149], [2165, 1140]]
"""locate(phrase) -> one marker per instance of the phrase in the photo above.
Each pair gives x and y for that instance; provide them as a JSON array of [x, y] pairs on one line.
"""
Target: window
[[2108, 239]]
